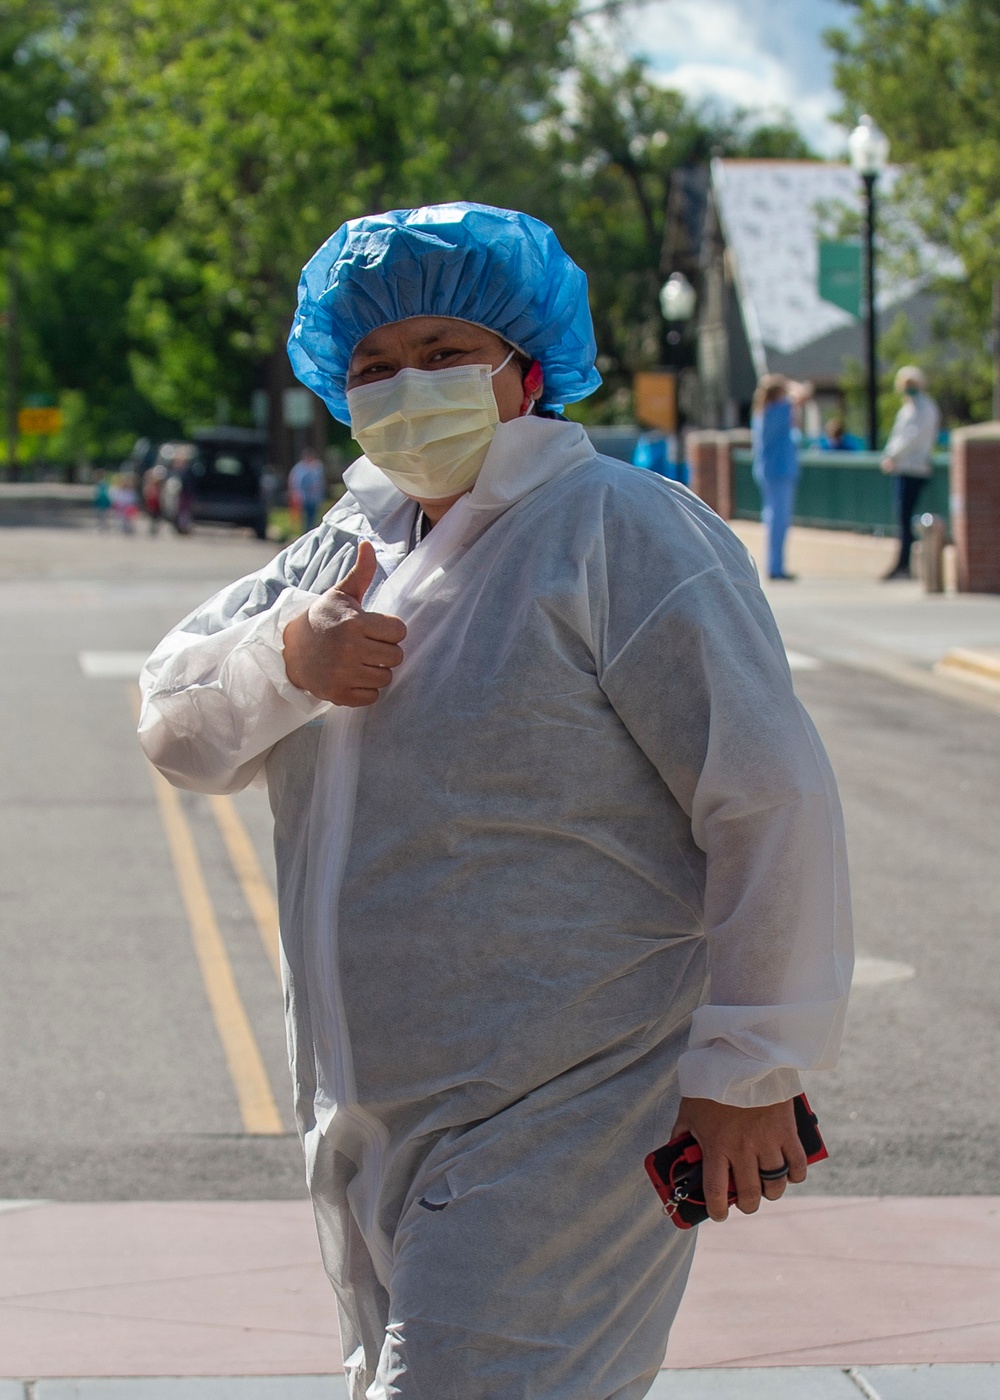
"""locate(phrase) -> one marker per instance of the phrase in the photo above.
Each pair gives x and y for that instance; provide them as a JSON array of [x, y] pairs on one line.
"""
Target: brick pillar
[[710, 462], [702, 455], [975, 507], [724, 476]]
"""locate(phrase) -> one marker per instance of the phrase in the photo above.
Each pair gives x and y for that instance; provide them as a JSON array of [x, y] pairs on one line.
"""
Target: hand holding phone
[[676, 1169]]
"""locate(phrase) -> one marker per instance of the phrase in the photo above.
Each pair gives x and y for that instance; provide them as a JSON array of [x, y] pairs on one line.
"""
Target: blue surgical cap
[[495, 267]]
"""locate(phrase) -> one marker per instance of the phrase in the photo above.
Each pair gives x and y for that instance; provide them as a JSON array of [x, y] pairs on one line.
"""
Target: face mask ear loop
[[495, 372]]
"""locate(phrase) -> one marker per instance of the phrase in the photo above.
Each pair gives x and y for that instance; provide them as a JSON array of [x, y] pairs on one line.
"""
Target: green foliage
[[37, 93], [926, 70], [615, 156], [768, 141], [616, 152], [245, 131], [74, 257], [896, 348], [172, 164], [77, 274]]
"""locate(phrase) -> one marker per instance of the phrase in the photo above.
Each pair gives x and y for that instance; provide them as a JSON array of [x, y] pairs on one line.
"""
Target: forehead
[[418, 331]]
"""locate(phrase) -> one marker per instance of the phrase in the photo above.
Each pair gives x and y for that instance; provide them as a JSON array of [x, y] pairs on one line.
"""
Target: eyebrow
[[431, 338]]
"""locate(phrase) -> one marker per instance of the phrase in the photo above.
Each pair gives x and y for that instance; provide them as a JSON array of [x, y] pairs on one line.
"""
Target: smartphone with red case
[[675, 1169]]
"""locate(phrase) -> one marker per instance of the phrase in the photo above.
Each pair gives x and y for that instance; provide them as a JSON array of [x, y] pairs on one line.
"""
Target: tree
[[35, 100], [193, 155], [926, 70], [70, 262], [32, 87], [240, 133], [620, 149]]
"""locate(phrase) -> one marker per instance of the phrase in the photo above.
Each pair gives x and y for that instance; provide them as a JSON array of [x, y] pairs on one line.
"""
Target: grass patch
[[284, 525]]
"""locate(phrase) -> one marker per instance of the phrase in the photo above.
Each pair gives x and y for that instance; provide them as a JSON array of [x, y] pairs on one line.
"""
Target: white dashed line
[[798, 661], [112, 665], [875, 972]]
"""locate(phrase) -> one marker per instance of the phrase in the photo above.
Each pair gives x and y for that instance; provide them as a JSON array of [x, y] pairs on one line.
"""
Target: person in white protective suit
[[560, 857]]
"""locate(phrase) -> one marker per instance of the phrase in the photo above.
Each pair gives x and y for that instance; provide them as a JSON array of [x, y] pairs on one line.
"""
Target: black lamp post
[[869, 148], [678, 301]]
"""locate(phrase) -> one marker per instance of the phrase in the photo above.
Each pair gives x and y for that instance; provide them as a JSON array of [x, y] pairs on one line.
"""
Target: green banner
[[840, 274]]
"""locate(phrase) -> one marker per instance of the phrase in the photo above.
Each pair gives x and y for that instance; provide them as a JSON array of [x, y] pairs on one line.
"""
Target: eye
[[377, 370], [447, 353]]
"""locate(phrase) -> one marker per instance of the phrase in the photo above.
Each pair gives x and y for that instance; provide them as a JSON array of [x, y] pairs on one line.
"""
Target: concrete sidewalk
[[212, 1294], [838, 609]]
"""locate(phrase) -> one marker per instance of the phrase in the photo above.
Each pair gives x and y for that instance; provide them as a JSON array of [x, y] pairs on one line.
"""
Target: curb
[[976, 666], [971, 1382]]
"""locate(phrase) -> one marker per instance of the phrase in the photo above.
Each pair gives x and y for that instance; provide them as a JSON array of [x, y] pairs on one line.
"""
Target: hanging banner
[[840, 274]]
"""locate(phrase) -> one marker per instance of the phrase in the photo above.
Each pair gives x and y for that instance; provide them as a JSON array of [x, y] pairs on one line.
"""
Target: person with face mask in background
[[908, 455], [560, 859]]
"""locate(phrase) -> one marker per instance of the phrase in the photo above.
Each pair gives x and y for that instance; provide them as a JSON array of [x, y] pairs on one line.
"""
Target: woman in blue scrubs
[[776, 460]]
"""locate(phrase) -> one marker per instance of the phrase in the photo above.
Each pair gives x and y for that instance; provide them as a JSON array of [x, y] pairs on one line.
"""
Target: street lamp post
[[677, 305], [678, 301], [869, 150]]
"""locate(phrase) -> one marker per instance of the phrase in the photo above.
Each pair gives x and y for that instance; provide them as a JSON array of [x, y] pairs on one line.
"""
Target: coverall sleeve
[[215, 696], [703, 685]]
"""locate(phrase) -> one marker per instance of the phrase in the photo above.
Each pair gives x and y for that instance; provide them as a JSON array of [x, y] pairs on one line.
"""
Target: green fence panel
[[841, 491]]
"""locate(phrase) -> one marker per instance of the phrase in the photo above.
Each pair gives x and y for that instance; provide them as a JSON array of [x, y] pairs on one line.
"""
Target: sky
[[762, 54]]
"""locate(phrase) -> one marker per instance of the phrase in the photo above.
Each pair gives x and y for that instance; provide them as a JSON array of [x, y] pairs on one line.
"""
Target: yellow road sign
[[656, 399], [40, 420]]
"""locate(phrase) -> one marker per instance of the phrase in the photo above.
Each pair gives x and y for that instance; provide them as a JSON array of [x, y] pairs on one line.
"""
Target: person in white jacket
[[907, 457], [560, 857]]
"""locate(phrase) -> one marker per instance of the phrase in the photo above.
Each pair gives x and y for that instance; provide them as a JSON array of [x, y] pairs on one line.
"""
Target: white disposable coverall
[[501, 888]]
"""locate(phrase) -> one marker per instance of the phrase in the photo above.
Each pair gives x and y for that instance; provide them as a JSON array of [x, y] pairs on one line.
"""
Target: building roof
[[772, 214]]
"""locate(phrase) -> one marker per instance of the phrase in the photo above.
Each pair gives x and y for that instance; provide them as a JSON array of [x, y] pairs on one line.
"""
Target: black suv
[[221, 476]]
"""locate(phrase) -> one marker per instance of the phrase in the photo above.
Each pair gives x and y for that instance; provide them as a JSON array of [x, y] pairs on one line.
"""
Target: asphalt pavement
[[120, 1087], [137, 933], [910, 1109]]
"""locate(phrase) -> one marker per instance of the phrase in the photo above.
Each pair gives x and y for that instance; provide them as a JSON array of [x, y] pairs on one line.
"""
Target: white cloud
[[762, 54], [729, 84]]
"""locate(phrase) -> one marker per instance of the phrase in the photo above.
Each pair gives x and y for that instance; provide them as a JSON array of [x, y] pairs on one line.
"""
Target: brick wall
[[975, 507], [711, 468]]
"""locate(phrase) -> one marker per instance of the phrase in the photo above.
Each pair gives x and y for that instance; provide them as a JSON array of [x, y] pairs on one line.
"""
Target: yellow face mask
[[428, 430]]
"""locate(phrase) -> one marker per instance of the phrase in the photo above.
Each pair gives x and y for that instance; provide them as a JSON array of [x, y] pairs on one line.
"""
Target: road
[[140, 1015], [912, 1108]]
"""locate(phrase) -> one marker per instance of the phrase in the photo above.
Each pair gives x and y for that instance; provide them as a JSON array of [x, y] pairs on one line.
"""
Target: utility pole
[[13, 365]]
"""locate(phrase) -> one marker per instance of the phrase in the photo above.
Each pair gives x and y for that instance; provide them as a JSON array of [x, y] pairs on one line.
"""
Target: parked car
[[220, 476]]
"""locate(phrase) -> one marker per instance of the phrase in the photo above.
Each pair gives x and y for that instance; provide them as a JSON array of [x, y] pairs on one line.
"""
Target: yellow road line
[[246, 1067], [980, 666], [254, 883]]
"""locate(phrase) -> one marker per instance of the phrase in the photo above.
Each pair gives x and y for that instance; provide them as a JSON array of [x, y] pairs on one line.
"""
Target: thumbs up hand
[[339, 652]]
